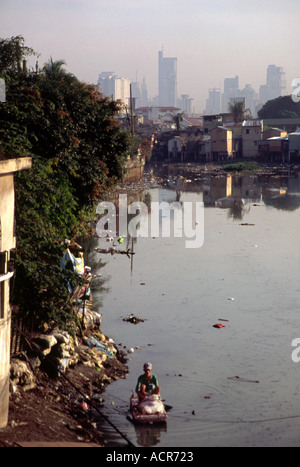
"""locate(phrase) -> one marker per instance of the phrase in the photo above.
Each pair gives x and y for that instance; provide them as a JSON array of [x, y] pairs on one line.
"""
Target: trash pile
[[56, 352]]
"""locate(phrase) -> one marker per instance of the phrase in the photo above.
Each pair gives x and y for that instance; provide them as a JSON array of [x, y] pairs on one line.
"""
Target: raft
[[144, 418]]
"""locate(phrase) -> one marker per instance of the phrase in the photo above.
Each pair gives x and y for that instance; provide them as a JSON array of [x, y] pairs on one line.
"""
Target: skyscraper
[[113, 86], [231, 90], [213, 103], [167, 80], [275, 86]]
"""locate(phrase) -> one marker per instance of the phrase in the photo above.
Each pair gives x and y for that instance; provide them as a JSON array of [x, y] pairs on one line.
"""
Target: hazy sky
[[212, 39]]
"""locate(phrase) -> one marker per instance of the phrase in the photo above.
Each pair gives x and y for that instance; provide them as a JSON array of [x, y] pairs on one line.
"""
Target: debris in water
[[243, 380], [133, 319]]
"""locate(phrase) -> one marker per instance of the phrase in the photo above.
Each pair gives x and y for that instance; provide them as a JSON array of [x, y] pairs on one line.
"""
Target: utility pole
[[131, 111]]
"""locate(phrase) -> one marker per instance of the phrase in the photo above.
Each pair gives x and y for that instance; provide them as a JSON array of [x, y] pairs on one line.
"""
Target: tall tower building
[[275, 86], [213, 103], [231, 90], [167, 80], [113, 86]]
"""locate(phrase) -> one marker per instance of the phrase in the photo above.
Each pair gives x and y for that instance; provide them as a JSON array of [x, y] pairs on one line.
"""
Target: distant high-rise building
[[140, 93], [213, 103], [231, 90], [167, 80], [144, 90], [185, 103], [275, 85], [251, 99], [136, 93], [115, 87]]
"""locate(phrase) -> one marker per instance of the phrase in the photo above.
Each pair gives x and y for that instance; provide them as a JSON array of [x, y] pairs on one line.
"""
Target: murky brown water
[[185, 292]]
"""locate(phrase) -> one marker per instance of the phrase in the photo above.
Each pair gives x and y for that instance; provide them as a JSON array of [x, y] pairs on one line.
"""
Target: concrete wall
[[134, 169], [5, 324], [7, 200], [221, 140], [7, 243]]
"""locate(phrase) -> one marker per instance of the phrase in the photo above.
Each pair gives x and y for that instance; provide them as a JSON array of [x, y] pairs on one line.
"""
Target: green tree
[[45, 211], [12, 53], [54, 68], [177, 119], [238, 111], [78, 151], [281, 107]]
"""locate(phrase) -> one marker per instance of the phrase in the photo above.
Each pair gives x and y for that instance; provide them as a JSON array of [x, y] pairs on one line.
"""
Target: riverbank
[[61, 411], [53, 411]]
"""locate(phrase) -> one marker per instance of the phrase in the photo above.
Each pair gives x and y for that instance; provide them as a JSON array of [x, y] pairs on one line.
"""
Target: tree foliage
[[12, 52], [281, 107], [238, 111], [78, 151]]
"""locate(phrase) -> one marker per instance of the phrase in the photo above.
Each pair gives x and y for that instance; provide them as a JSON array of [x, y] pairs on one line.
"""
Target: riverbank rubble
[[53, 404]]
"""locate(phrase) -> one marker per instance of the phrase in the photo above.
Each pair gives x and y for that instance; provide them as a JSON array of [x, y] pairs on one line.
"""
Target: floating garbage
[[219, 326], [133, 319], [243, 380], [131, 350]]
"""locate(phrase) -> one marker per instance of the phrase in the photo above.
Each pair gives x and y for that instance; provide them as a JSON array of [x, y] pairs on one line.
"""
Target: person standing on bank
[[147, 383]]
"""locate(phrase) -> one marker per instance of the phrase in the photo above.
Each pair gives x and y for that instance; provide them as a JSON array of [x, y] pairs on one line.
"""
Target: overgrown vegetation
[[247, 166], [281, 107], [78, 151]]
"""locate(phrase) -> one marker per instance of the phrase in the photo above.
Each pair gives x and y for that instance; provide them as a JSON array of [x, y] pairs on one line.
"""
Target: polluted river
[[220, 322]]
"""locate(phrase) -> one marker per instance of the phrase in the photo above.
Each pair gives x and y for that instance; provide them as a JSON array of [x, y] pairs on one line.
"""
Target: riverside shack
[[7, 243]]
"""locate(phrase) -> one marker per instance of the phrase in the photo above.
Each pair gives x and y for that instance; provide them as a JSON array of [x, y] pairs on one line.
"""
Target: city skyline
[[211, 40]]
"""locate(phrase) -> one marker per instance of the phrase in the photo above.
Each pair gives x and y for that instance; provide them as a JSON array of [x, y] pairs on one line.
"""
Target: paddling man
[[147, 383]]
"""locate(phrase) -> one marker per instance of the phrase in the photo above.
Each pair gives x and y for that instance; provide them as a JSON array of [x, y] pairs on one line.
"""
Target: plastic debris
[[83, 405], [94, 343], [243, 380]]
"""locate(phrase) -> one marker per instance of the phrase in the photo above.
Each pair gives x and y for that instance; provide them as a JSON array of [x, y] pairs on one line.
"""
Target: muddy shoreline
[[62, 410]]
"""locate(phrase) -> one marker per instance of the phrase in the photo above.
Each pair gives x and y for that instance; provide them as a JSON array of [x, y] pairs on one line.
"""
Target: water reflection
[[149, 435], [233, 192], [237, 192]]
